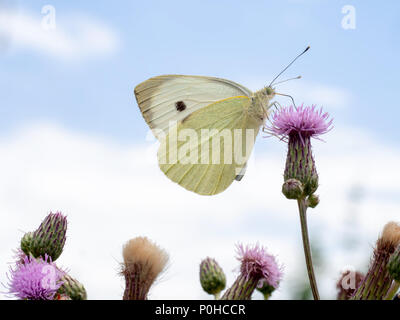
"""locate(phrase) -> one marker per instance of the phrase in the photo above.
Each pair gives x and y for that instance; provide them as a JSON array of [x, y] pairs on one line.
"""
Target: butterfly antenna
[[289, 65], [295, 78], [286, 95]]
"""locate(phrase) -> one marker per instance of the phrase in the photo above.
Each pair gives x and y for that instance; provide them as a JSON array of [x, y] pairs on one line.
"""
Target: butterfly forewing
[[169, 98]]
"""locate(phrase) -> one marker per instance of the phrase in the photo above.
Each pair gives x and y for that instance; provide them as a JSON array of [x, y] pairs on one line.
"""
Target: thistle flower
[[379, 280], [48, 239], [348, 283], [212, 277], [297, 126], [256, 265], [143, 262], [35, 279]]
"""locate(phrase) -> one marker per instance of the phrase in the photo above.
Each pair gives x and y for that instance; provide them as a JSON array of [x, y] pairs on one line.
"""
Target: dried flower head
[[35, 279], [390, 237], [256, 263], [143, 262]]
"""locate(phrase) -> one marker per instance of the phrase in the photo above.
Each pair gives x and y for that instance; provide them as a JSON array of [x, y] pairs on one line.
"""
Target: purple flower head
[[305, 122], [35, 279], [258, 264]]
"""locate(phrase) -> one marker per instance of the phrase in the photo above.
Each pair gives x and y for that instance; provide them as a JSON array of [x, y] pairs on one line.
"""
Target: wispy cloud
[[112, 193], [74, 38]]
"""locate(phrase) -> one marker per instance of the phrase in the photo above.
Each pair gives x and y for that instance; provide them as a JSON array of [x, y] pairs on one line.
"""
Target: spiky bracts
[[72, 288], [48, 239], [300, 166], [378, 282], [212, 277], [143, 262]]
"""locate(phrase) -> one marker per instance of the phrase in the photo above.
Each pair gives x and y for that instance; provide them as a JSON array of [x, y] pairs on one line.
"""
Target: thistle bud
[[26, 243], [312, 201], [292, 189], [72, 288], [266, 289], [212, 277], [48, 239]]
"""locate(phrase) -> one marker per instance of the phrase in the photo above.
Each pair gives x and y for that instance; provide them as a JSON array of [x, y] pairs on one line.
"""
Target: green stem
[[307, 249]]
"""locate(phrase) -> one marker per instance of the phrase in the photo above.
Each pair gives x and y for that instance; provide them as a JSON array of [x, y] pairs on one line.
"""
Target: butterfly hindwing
[[214, 166], [173, 97]]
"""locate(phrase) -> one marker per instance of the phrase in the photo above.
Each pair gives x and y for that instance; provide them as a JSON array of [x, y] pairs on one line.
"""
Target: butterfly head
[[269, 92]]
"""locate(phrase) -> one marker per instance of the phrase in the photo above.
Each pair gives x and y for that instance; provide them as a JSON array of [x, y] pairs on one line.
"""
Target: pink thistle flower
[[304, 122], [256, 263], [297, 126], [35, 279]]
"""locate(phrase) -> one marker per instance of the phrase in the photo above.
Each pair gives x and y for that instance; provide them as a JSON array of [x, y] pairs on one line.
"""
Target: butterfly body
[[206, 127]]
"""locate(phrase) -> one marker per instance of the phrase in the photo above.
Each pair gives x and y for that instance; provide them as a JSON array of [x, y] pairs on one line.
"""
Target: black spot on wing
[[180, 106]]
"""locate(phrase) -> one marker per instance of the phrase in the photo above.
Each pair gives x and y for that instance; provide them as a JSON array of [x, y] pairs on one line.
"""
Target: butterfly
[[206, 127]]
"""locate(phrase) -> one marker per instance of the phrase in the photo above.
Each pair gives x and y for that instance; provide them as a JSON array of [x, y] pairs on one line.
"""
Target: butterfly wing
[[193, 163], [173, 97]]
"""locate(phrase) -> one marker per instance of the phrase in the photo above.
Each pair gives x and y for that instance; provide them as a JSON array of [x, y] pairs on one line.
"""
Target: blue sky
[[72, 137], [236, 40]]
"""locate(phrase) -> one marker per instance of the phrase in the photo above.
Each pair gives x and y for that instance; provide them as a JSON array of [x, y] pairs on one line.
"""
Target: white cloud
[[113, 192], [74, 38]]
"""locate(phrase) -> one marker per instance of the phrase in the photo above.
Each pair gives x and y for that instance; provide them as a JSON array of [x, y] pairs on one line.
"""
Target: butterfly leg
[[274, 104]]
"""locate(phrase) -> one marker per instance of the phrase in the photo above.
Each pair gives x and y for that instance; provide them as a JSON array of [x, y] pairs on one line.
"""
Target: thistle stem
[[307, 249]]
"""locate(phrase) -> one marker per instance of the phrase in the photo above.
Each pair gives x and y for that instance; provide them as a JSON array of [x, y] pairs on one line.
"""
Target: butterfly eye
[[269, 91]]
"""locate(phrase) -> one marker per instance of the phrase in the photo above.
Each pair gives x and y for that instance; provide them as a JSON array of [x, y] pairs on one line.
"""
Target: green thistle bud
[[300, 164], [48, 239], [312, 201], [72, 288], [266, 290], [292, 189], [26, 243], [394, 265], [212, 277]]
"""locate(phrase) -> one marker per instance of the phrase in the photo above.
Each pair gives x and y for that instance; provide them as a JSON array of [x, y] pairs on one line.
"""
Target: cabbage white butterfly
[[204, 124]]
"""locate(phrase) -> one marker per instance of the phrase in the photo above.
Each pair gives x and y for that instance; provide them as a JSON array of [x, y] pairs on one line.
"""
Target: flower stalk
[[307, 248]]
